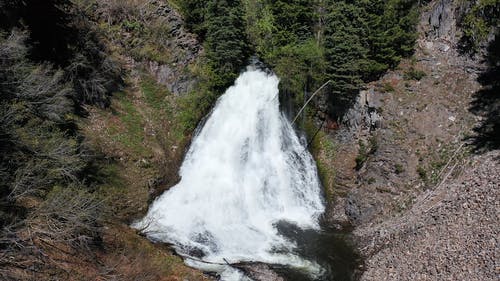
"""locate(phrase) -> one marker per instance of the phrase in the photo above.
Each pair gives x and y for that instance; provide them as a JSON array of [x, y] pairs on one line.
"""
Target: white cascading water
[[245, 171]]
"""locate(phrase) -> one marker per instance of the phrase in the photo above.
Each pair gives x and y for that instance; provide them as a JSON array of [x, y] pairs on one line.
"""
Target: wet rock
[[259, 271], [337, 216]]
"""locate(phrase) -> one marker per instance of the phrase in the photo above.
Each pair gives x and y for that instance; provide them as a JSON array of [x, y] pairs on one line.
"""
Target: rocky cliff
[[424, 206]]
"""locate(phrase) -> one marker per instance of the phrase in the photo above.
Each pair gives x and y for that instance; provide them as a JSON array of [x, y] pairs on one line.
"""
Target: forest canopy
[[307, 42]]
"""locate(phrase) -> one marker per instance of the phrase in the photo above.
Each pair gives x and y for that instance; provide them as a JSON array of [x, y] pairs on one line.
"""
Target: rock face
[[423, 209], [363, 116], [442, 19], [400, 130], [185, 50]]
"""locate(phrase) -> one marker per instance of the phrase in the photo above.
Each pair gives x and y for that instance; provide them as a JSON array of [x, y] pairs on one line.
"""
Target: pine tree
[[391, 33], [345, 52], [293, 19], [194, 12], [226, 43]]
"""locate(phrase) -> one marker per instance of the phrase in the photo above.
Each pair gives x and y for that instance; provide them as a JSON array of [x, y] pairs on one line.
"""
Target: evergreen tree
[[345, 52], [293, 20], [194, 12], [391, 33], [226, 43]]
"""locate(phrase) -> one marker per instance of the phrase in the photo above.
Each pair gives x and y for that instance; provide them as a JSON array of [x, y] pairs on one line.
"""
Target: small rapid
[[246, 170]]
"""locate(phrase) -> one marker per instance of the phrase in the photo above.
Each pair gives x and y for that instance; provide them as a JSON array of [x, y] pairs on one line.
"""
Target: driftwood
[[309, 100], [258, 271]]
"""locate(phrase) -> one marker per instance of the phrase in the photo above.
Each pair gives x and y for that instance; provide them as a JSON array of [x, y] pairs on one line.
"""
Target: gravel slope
[[450, 233]]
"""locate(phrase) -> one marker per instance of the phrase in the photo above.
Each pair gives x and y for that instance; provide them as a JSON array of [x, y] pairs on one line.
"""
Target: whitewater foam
[[245, 171]]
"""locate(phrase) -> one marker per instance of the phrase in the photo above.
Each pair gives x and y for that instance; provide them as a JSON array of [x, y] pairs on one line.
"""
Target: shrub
[[387, 87], [414, 74], [422, 173], [69, 215], [398, 168], [362, 155], [477, 23]]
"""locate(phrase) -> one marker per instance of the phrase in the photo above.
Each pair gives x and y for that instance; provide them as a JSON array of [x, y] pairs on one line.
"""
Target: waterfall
[[245, 171]]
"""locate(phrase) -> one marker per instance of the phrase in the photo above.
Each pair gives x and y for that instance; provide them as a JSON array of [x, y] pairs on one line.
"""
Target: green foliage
[[261, 26], [220, 23], [282, 35], [194, 12], [293, 20], [154, 94], [373, 142], [362, 156], [362, 40], [391, 33], [132, 136], [194, 106], [298, 65], [306, 43], [226, 43], [414, 74], [387, 87], [345, 52], [42, 160], [365, 150], [347, 42], [478, 23], [422, 172], [324, 149], [47, 75], [37, 152], [398, 169]]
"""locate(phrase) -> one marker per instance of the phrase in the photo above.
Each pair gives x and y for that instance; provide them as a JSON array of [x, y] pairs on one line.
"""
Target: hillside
[[419, 190], [113, 134], [100, 100]]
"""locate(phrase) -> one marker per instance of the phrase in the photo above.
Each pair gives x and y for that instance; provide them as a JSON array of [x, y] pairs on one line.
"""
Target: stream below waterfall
[[249, 192]]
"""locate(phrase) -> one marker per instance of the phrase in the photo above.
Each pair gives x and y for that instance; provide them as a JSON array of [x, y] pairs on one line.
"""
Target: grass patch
[[323, 149], [387, 87], [149, 52], [155, 95], [130, 131]]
